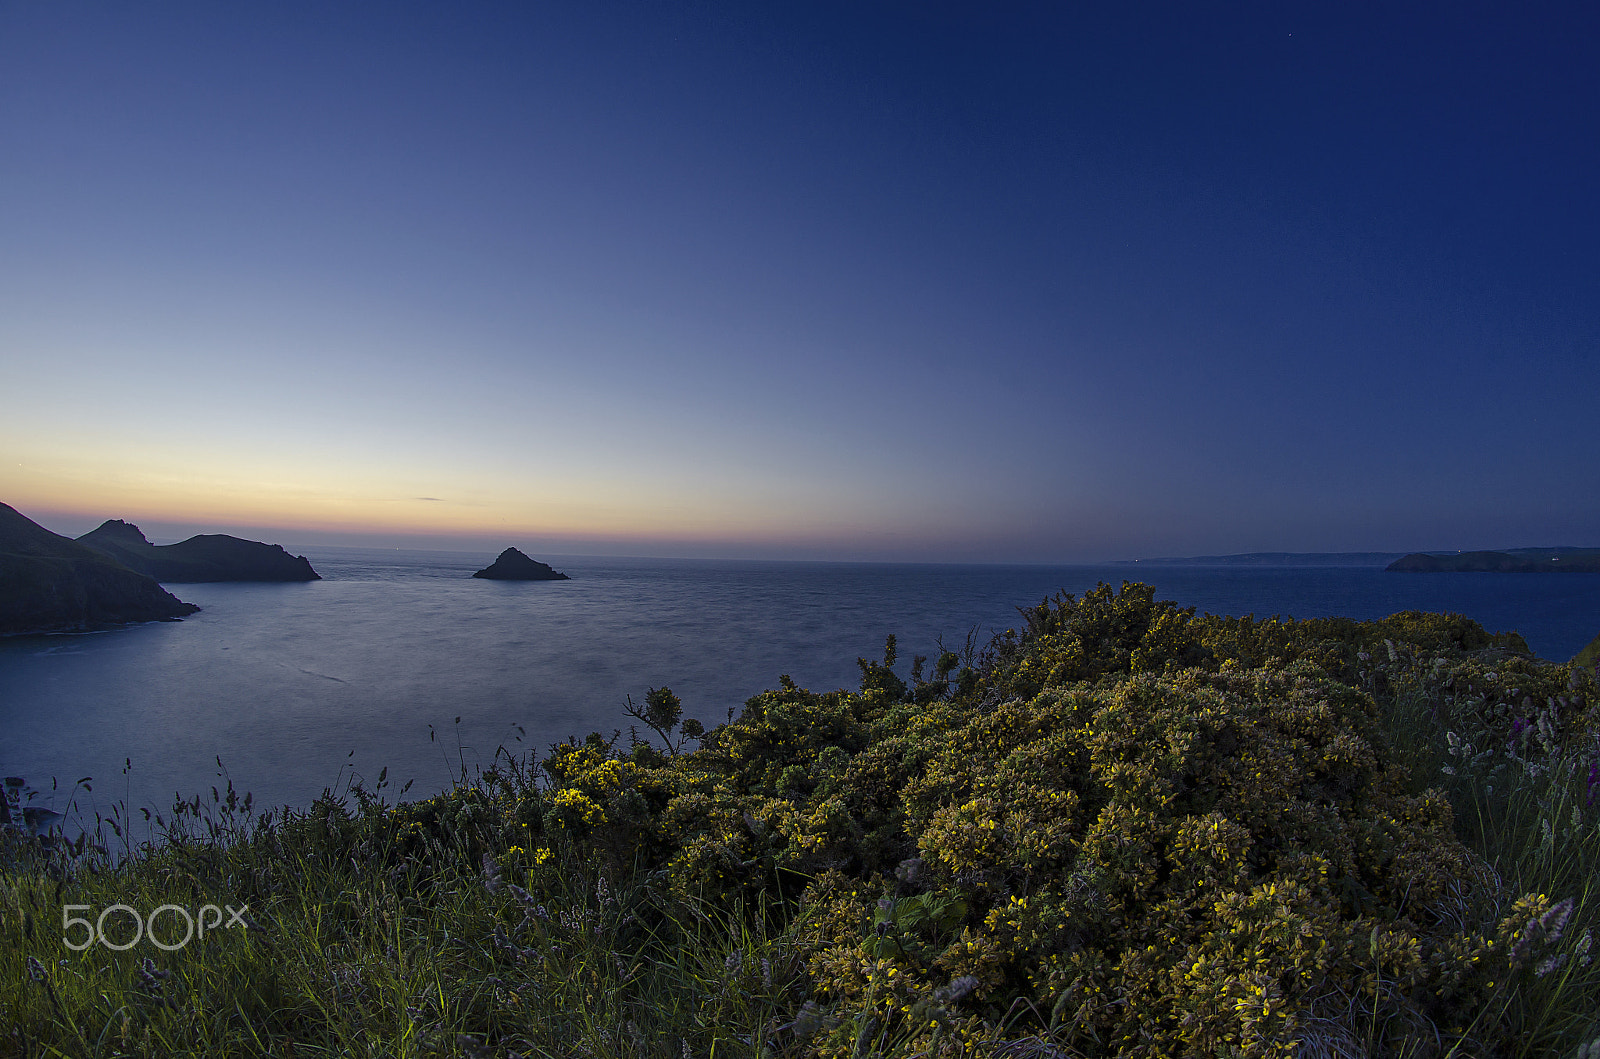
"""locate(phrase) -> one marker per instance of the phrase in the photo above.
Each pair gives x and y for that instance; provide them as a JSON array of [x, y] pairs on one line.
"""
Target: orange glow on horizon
[[348, 518], [386, 501]]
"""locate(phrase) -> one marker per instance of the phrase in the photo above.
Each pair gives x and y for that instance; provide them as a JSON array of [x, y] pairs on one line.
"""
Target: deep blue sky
[[809, 280]]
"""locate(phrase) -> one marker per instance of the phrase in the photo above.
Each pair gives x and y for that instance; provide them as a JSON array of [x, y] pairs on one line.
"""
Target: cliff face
[[207, 557], [514, 566], [50, 583]]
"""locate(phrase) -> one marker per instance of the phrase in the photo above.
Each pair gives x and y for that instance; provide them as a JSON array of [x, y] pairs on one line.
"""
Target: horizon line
[[871, 548]]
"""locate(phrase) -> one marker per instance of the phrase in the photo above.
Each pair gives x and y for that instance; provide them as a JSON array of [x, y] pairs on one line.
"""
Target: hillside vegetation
[[1120, 829]]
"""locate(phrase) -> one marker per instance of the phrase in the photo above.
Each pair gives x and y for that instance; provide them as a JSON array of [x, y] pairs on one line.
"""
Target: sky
[[986, 283]]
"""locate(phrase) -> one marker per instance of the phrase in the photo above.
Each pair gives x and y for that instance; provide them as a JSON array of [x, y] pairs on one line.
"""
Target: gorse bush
[[1120, 830]]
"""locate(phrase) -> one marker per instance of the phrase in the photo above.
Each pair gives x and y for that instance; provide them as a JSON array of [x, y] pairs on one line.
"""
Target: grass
[[355, 947], [1530, 806]]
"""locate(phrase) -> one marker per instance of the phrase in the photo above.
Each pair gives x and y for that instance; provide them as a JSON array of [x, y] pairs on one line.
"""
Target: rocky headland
[[514, 566], [1517, 561], [206, 557], [51, 583], [1345, 559]]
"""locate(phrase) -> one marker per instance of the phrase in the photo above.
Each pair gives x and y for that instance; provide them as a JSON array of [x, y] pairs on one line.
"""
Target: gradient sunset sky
[[811, 280]]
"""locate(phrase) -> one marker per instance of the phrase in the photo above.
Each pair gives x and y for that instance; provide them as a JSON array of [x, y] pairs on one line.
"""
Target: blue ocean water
[[293, 686]]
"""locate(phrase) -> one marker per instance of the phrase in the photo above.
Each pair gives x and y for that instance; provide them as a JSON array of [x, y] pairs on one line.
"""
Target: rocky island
[[206, 557], [51, 583], [514, 566]]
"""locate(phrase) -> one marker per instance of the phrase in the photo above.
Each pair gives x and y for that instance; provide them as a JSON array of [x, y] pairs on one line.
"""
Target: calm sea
[[295, 686]]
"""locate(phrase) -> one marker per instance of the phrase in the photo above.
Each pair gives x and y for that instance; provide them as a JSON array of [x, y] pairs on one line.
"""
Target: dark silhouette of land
[[514, 566], [1511, 560], [206, 557], [1274, 559], [1514, 561], [51, 583]]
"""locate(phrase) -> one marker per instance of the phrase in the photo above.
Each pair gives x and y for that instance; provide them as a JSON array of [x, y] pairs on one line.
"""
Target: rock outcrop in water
[[206, 557], [514, 566], [51, 583]]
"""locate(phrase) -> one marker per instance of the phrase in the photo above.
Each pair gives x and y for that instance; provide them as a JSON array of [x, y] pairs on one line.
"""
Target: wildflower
[[1554, 921], [1546, 928], [1519, 951], [734, 962], [36, 971], [151, 977], [491, 874], [910, 871], [1548, 964], [957, 990]]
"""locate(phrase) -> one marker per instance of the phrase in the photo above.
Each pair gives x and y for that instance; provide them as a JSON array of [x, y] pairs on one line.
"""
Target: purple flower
[[1554, 921]]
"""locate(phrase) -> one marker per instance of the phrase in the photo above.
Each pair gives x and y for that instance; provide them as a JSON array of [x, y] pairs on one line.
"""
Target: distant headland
[[514, 566], [206, 557], [51, 583], [1512, 560], [1274, 559]]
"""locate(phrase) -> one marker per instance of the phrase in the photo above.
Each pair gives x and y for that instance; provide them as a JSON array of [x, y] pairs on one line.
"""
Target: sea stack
[[514, 566]]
